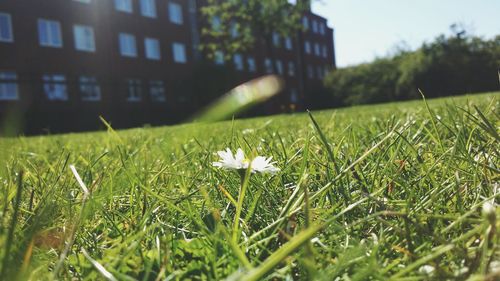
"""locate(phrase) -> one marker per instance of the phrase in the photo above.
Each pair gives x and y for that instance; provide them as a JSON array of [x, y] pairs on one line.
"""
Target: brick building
[[65, 62]]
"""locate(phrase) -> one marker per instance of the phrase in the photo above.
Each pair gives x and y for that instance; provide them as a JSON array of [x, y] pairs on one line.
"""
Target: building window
[[6, 34], [54, 87], [238, 62], [49, 33], [322, 28], [152, 47], [8, 86], [325, 51], [89, 88], [268, 63], [128, 47], [134, 90], [320, 72], [279, 67], [148, 8], [179, 52], [310, 72], [314, 26], [83, 1], [157, 91], [294, 95], [234, 29], [325, 70], [305, 23], [124, 6], [175, 13], [288, 43], [276, 39], [307, 47], [84, 38], [219, 58], [216, 23], [317, 49], [291, 68], [252, 67]]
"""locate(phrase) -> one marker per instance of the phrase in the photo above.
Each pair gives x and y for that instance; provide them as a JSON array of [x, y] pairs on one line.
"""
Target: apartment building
[[63, 63]]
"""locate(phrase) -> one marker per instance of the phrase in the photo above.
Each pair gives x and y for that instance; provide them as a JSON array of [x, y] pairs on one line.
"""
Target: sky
[[366, 29]]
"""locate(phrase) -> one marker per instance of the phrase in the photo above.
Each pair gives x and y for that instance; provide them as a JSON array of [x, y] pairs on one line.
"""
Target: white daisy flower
[[228, 161], [238, 161], [264, 165]]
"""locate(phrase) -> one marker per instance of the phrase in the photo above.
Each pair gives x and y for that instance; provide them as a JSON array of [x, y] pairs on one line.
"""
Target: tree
[[234, 26], [449, 65]]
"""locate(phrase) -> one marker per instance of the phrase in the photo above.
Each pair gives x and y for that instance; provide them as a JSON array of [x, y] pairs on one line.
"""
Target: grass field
[[397, 191]]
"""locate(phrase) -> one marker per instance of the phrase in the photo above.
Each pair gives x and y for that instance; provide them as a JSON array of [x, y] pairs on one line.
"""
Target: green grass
[[364, 193]]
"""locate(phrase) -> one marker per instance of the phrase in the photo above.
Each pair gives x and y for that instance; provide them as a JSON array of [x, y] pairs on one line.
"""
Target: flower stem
[[244, 179]]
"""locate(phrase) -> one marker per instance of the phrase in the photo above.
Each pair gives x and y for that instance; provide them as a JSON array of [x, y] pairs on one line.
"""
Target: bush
[[447, 66]]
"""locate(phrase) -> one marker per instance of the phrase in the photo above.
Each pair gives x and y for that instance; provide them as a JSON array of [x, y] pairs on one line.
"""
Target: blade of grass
[[106, 274], [12, 227], [291, 246], [436, 131], [438, 252], [76, 225]]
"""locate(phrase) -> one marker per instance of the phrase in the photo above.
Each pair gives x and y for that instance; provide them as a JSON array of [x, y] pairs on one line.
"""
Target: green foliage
[[448, 66], [364, 193], [238, 25]]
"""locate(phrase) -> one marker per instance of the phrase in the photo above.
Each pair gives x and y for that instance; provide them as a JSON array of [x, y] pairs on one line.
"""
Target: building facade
[[63, 63]]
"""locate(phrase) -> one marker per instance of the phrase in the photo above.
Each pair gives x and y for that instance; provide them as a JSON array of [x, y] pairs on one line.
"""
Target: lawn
[[400, 191]]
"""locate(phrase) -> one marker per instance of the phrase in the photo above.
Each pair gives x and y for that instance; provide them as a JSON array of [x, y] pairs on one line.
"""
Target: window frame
[[305, 23], [124, 6], [10, 29], [155, 85], [155, 44], [46, 23], [276, 39], [123, 49], [252, 64], [148, 8], [279, 67], [53, 80], [322, 28], [294, 96], [175, 13], [84, 48], [291, 69], [319, 72], [288, 43], [219, 58], [314, 24], [310, 71], [317, 49], [216, 24], [307, 47], [268, 65], [91, 83], [177, 46], [5, 82], [238, 62], [234, 29], [134, 86]]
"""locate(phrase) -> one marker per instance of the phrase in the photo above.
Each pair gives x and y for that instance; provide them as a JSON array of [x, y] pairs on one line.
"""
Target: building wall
[[30, 61], [320, 62]]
